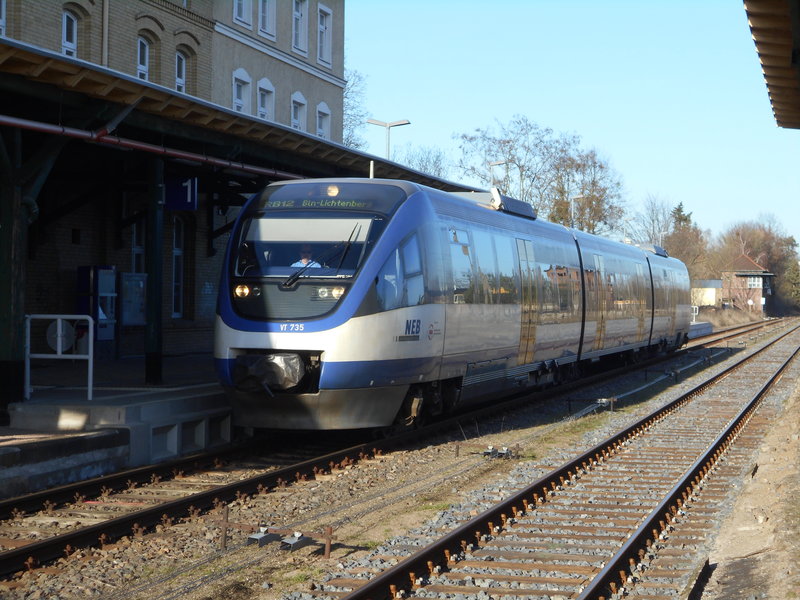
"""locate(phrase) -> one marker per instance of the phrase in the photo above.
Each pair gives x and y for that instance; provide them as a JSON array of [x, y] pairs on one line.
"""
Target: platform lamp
[[388, 127]]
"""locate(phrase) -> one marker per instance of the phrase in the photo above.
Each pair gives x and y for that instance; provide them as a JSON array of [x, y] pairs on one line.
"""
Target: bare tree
[[548, 170], [652, 223], [519, 157], [589, 194], [427, 159], [355, 113]]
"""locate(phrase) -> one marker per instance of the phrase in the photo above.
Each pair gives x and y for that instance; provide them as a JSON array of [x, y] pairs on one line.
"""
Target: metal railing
[[60, 347]]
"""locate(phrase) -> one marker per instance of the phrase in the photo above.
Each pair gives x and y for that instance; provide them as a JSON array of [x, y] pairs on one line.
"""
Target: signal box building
[[746, 285]]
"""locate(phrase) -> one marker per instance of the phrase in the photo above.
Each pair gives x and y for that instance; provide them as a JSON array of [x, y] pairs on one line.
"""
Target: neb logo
[[412, 326]]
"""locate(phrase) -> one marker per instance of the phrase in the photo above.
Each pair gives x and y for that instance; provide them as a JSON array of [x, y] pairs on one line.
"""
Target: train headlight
[[328, 293], [242, 291]]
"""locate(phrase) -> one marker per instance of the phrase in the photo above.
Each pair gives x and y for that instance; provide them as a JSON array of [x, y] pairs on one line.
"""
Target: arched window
[[69, 34], [266, 100], [298, 111], [323, 120], [181, 62], [142, 58], [178, 246], [241, 91]]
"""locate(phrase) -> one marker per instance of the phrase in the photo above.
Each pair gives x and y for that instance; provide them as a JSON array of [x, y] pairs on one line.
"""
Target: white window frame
[[298, 112], [178, 266], [142, 62], [324, 35], [240, 92], [265, 100], [69, 47], [754, 282], [266, 18], [2, 18], [323, 122], [243, 13], [300, 26], [181, 61]]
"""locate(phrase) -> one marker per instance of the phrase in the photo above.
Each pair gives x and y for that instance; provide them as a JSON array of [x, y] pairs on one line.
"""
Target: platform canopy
[[775, 25]]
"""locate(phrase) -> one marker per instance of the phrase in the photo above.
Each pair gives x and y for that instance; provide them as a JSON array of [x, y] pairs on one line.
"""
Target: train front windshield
[[301, 245]]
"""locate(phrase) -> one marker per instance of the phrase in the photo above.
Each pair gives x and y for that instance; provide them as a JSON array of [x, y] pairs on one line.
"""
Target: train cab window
[[400, 280]]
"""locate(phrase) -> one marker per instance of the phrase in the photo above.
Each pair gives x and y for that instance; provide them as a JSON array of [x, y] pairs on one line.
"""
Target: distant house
[[746, 285], [707, 292]]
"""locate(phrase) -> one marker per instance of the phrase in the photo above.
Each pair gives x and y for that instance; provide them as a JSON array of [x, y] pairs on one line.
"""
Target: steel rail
[[616, 571], [52, 548], [403, 575]]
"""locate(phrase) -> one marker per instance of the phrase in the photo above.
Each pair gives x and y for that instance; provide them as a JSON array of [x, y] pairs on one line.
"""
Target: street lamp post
[[388, 127]]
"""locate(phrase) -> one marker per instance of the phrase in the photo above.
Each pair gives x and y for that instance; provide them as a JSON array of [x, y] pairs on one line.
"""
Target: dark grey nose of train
[[256, 372]]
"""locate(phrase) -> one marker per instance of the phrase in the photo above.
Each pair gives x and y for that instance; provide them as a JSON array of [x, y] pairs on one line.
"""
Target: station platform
[[700, 329], [59, 436]]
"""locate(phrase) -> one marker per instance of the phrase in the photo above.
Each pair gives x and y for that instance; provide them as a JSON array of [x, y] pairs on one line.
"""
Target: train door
[[641, 294], [602, 304], [529, 312]]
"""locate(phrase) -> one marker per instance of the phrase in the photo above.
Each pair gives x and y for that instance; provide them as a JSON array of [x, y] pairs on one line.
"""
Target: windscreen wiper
[[348, 245], [330, 253]]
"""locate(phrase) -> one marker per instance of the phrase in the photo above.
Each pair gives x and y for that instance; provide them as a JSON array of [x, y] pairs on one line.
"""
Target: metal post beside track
[[59, 348]]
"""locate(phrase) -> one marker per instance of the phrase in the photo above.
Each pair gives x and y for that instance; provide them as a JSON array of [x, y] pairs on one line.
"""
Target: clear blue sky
[[670, 93]]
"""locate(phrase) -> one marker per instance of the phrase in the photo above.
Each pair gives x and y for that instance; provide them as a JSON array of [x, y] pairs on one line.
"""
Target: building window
[[241, 91], [323, 121], [324, 35], [143, 59], [300, 26], [180, 72], [242, 12], [69, 34], [754, 283], [266, 18], [2, 17], [137, 247], [178, 241], [298, 111], [266, 100]]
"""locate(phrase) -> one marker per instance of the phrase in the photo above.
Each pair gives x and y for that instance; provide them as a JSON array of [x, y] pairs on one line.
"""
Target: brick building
[[746, 285], [130, 133]]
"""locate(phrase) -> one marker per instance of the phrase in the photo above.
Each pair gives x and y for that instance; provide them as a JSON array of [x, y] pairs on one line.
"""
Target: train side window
[[400, 281], [508, 290], [461, 264], [390, 282], [414, 292]]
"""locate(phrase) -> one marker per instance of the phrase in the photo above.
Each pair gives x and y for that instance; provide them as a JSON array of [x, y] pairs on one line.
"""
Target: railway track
[[41, 527], [604, 521], [105, 509]]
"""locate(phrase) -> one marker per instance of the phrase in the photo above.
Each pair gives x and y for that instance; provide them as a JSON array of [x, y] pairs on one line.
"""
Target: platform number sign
[[181, 193]]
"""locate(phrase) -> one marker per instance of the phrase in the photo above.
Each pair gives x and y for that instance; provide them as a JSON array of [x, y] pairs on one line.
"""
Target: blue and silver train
[[361, 303]]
